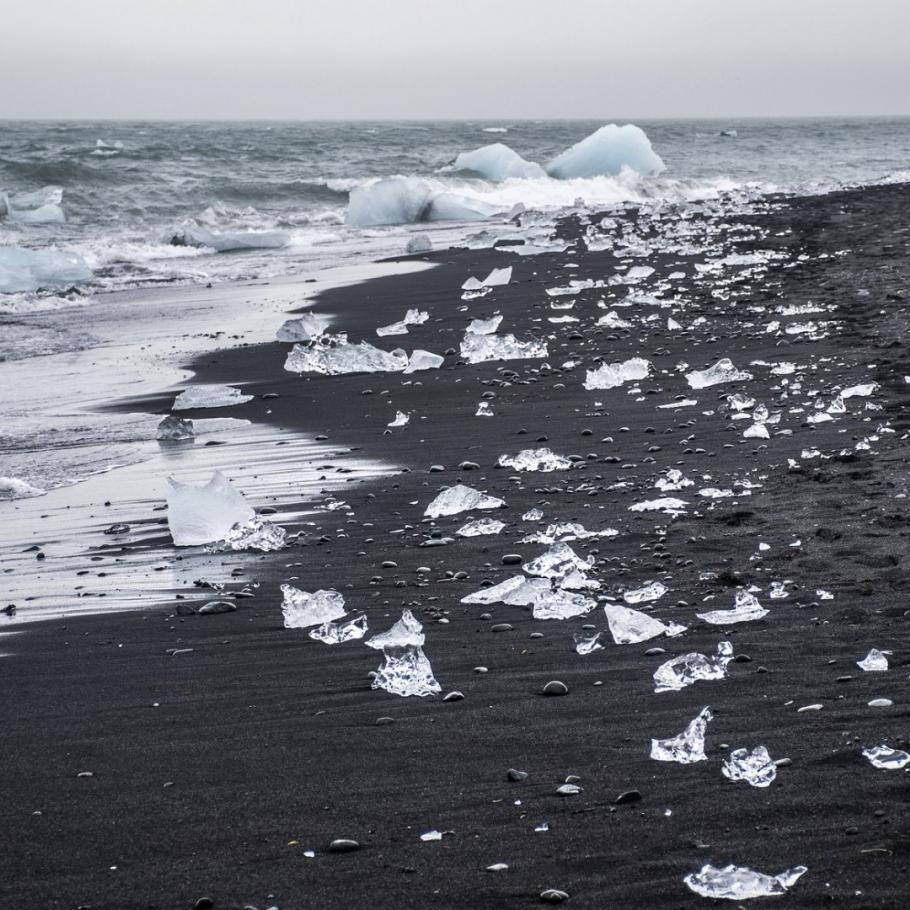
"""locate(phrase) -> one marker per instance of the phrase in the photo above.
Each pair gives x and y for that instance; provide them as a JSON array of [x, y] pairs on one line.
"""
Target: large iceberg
[[229, 242], [28, 270], [200, 515], [606, 152], [39, 207], [497, 162], [396, 200]]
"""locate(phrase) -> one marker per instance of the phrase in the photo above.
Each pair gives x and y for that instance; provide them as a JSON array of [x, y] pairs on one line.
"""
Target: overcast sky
[[300, 59]]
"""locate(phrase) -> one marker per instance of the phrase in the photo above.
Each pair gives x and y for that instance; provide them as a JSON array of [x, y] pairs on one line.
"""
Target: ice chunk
[[496, 278], [565, 532], [628, 626], [302, 609], [22, 270], [612, 375], [861, 391], [480, 527], [209, 396], [674, 480], [334, 633], [755, 767], [887, 759], [173, 428], [396, 200], [40, 207], [535, 460], [482, 348], [559, 604], [412, 317], [454, 207], [606, 153], [229, 242], [484, 410], [687, 747], [484, 326], [532, 515], [303, 328], [559, 561], [746, 608], [424, 360], [587, 644], [406, 671], [738, 883], [613, 321], [255, 534], [420, 243], [497, 162], [14, 488], [687, 669], [201, 515], [407, 631], [461, 498], [517, 591], [651, 591], [874, 662], [401, 419], [722, 371], [668, 504], [335, 355]]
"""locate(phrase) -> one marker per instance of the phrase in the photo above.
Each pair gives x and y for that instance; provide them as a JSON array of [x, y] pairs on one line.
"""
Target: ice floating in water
[[497, 162], [39, 207], [14, 488], [651, 591], [535, 460], [201, 515], [173, 429], [209, 396], [229, 242], [668, 504], [481, 348], [420, 243], [255, 534], [480, 527], [335, 356], [628, 626], [606, 152], [689, 668], [722, 371], [461, 498], [423, 360], [756, 767], [687, 747], [28, 270], [302, 609], [335, 633], [746, 608], [565, 532], [484, 326], [887, 759], [612, 375], [738, 883], [874, 662], [303, 328]]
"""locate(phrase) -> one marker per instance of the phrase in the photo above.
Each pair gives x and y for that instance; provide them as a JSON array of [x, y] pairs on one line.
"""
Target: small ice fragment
[[862, 391], [209, 396], [887, 759], [461, 498], [480, 527], [722, 371], [778, 590], [559, 604], [687, 669], [408, 631], [420, 243], [201, 515], [687, 747], [746, 608], [334, 355], [613, 375], [406, 671], [395, 328], [173, 429], [334, 633], [498, 277], [482, 348], [628, 626], [651, 591], [755, 767], [613, 321], [874, 662], [532, 515], [424, 360], [558, 562], [822, 594], [484, 410], [673, 325], [302, 609], [565, 532], [431, 836], [668, 504], [674, 480], [741, 883], [685, 403], [484, 326], [255, 534], [303, 328], [587, 644], [401, 419], [535, 460]]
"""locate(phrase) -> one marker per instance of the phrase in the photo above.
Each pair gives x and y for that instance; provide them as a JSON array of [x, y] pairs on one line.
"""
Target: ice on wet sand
[[202, 515], [480, 527], [481, 348], [303, 328], [302, 610], [334, 355], [687, 747], [209, 396], [334, 633], [887, 759], [460, 498], [741, 883], [174, 429], [746, 608], [405, 670]]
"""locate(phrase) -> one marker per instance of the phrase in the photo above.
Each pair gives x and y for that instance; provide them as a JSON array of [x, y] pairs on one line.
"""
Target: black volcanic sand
[[215, 770]]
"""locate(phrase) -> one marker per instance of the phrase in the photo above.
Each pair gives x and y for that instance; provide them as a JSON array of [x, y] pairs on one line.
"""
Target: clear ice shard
[[480, 527], [560, 561], [746, 608], [401, 419], [613, 375], [407, 632], [517, 591], [674, 480], [587, 644], [423, 360], [484, 410], [27, 270], [174, 429], [542, 460], [406, 671], [255, 534], [737, 883], [482, 348], [687, 747], [670, 505], [209, 396], [334, 355], [722, 371], [302, 609], [483, 326], [613, 321], [651, 591], [559, 604], [335, 633], [498, 277], [628, 626], [303, 328], [607, 153], [201, 515], [565, 532], [687, 669], [887, 759], [461, 498], [874, 662], [756, 767]]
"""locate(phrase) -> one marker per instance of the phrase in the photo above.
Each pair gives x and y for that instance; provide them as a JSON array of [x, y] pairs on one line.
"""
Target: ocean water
[[127, 188]]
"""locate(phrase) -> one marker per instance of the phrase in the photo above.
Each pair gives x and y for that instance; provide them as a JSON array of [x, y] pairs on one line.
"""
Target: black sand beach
[[215, 770]]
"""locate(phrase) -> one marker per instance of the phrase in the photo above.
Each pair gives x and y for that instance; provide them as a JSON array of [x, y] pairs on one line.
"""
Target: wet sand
[[215, 769]]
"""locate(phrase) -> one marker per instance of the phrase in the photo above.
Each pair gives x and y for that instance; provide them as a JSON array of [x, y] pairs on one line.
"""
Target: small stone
[[204, 903], [384, 721], [555, 687], [343, 845], [217, 606], [501, 627], [629, 796], [469, 466], [511, 559], [514, 774], [436, 468], [553, 896], [455, 695]]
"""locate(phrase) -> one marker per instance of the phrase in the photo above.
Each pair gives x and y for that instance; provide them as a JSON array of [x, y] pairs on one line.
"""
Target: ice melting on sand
[[401, 420], [255, 534], [480, 527], [335, 355], [738, 883], [667, 504], [565, 532], [628, 626], [746, 608], [497, 162], [405, 670], [886, 759], [303, 328], [874, 662], [461, 498], [302, 609], [201, 515], [496, 278], [722, 371], [484, 326], [481, 348], [209, 396], [613, 375], [561, 562], [423, 360], [756, 767], [412, 317], [335, 633], [174, 429], [606, 152], [23, 270], [687, 747], [651, 591], [689, 668], [542, 460]]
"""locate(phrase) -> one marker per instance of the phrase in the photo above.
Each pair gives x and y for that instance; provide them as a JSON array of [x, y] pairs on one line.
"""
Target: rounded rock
[[553, 896], [555, 687], [343, 845]]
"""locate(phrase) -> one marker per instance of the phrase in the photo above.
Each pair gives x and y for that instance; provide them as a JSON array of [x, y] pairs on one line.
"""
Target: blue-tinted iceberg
[[39, 207], [396, 200], [606, 152], [229, 242], [28, 270], [497, 162]]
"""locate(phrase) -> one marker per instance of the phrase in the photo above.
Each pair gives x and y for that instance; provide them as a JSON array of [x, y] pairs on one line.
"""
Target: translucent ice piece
[[558, 562], [887, 759], [480, 527], [722, 371], [613, 375], [687, 747], [874, 662], [756, 767], [651, 591], [518, 590], [334, 355], [746, 608], [532, 515], [191, 235], [24, 270], [406, 671], [484, 326], [565, 532], [209, 396], [255, 534], [559, 604], [587, 644], [423, 360], [862, 391], [535, 460], [687, 669], [401, 419], [302, 609], [396, 328], [739, 883], [483, 348], [667, 504], [628, 626], [497, 162], [334, 633], [200, 515], [303, 328], [613, 321], [407, 632], [173, 429], [484, 410], [420, 243], [498, 277], [606, 152], [675, 480], [461, 498]]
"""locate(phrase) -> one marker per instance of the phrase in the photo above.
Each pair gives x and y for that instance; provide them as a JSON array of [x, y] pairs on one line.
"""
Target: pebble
[[454, 695], [629, 796], [343, 845], [555, 687], [204, 903], [511, 559], [217, 606], [514, 774], [553, 896], [384, 721], [501, 627]]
